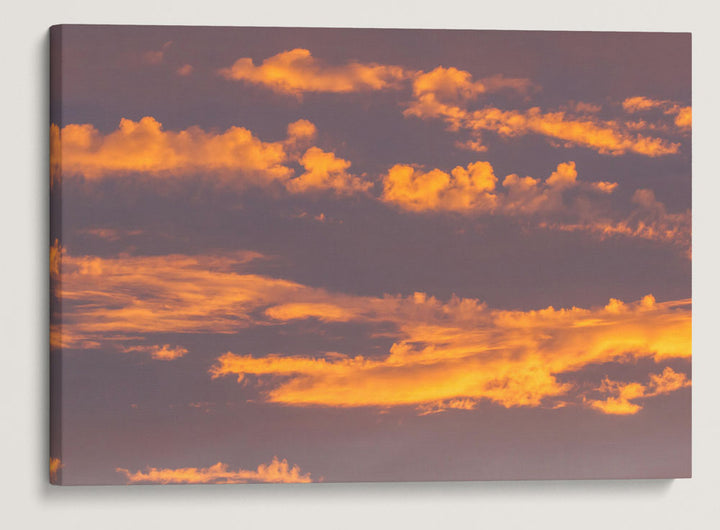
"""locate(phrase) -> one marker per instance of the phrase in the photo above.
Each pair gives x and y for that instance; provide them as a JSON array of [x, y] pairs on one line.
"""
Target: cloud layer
[[443, 353]]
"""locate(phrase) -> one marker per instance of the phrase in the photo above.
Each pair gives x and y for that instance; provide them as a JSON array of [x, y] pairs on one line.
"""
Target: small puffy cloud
[[296, 71], [275, 471], [185, 70], [683, 119], [447, 84], [668, 381], [164, 352], [565, 176], [463, 189], [623, 396], [325, 171]]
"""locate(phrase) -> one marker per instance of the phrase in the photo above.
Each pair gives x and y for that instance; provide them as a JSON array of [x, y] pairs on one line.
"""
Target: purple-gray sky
[[333, 247]]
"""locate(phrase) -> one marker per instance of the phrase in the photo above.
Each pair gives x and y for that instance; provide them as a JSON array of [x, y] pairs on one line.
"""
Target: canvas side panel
[[55, 170]]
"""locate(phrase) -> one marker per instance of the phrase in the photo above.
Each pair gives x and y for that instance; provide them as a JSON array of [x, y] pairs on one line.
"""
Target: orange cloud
[[234, 157], [473, 189], [166, 352], [683, 115], [452, 355], [462, 189], [55, 467], [275, 471], [445, 355], [185, 70], [325, 171], [586, 130], [622, 393], [297, 71], [324, 312], [145, 147]]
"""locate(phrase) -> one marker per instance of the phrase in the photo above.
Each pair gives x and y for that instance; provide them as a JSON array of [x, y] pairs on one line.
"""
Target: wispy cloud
[[445, 354], [275, 471]]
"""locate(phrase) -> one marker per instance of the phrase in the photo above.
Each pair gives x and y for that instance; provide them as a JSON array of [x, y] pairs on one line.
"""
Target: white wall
[[28, 502]]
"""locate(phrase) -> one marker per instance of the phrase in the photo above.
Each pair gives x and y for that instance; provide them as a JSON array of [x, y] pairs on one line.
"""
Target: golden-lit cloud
[[604, 136], [235, 157], [325, 171], [55, 466], [473, 190], [445, 355], [462, 189], [119, 298], [297, 71], [682, 115], [164, 352], [144, 146], [449, 356], [278, 471], [623, 396]]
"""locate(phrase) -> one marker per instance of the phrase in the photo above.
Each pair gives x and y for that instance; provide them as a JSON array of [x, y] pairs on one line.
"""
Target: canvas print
[[341, 255]]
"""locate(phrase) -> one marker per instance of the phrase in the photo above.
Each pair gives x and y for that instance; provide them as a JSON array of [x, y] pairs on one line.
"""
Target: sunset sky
[[299, 255]]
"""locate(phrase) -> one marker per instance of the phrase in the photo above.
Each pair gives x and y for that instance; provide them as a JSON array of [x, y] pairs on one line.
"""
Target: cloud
[[166, 352], [111, 234], [604, 136], [185, 70], [650, 220], [122, 298], [145, 147], [55, 466], [235, 157], [296, 71], [623, 395], [445, 355], [325, 171], [156, 56], [682, 115], [452, 355], [560, 202], [275, 471], [473, 189], [463, 189]]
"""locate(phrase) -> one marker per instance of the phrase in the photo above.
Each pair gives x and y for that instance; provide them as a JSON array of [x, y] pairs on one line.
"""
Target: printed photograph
[[294, 255]]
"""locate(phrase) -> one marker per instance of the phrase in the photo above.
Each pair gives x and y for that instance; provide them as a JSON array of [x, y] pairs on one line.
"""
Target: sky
[[301, 255]]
